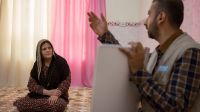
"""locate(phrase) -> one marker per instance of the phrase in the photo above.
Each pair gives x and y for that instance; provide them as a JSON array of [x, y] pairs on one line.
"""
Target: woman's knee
[[60, 105]]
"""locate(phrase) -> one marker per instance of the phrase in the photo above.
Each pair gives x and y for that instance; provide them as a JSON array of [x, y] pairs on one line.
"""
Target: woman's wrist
[[46, 92]]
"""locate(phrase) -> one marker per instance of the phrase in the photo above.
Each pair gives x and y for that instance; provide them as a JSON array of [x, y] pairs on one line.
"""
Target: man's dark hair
[[174, 9]]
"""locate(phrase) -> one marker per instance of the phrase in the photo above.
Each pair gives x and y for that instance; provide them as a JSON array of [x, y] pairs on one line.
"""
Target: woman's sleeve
[[66, 78], [33, 86], [64, 85]]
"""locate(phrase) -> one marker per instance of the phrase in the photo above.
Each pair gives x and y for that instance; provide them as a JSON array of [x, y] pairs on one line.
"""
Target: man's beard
[[153, 32], [151, 35]]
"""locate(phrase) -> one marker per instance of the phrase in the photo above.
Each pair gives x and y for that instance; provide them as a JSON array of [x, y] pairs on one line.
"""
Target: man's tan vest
[[172, 54]]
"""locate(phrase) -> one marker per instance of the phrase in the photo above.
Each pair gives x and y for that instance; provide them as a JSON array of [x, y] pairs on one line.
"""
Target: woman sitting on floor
[[48, 83]]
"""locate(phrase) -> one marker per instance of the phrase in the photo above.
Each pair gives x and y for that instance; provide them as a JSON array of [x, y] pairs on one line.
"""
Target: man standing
[[171, 79]]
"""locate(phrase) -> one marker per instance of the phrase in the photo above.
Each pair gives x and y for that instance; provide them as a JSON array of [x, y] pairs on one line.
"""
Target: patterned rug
[[79, 99]]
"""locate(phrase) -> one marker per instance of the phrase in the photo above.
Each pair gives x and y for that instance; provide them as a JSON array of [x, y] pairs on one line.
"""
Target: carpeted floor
[[80, 99]]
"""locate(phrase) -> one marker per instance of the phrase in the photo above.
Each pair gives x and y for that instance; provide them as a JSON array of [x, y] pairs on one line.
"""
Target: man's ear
[[161, 17]]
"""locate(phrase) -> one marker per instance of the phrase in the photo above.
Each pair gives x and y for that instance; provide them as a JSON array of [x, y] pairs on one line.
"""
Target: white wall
[[127, 10]]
